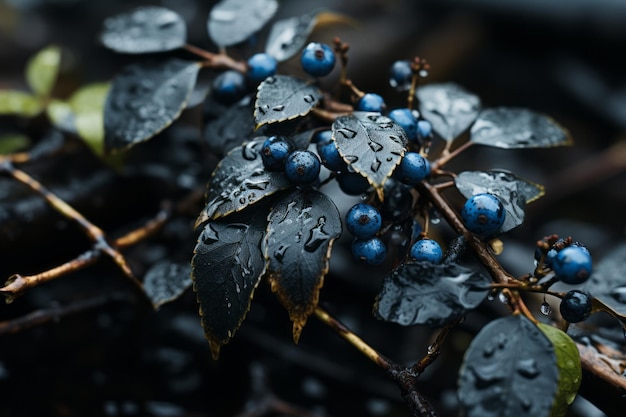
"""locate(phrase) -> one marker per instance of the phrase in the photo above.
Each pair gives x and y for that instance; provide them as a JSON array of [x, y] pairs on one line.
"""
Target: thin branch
[[435, 348], [217, 61], [447, 155]]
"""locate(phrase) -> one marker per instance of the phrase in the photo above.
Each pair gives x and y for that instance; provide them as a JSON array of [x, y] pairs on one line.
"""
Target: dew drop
[[491, 297], [317, 236], [347, 133], [526, 404], [280, 107], [503, 298], [210, 235], [375, 165], [545, 309], [527, 368], [489, 350], [279, 253], [308, 98], [432, 349], [242, 200], [376, 147]]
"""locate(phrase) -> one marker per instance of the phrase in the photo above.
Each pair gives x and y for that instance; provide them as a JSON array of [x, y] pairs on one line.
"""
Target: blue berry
[[331, 157], [412, 169], [426, 250], [317, 59], [407, 120], [400, 74], [572, 265], [322, 137], [302, 167], [424, 130], [371, 251], [363, 221], [274, 152], [575, 306], [371, 102], [261, 66], [352, 183], [483, 214], [229, 86]]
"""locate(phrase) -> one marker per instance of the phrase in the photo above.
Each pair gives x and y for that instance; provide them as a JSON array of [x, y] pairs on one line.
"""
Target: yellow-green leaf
[[88, 106], [13, 142], [568, 362], [61, 115], [42, 70], [19, 103]]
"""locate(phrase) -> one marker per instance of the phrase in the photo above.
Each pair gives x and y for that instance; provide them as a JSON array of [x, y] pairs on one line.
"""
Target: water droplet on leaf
[[545, 309]]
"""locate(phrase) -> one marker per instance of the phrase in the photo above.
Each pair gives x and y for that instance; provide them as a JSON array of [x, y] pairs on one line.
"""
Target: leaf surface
[[608, 280], [288, 36], [42, 70], [14, 102], [166, 281], [233, 21], [282, 97]]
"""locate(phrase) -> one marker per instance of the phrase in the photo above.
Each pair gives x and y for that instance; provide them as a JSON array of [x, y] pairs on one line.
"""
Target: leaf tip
[[215, 348]]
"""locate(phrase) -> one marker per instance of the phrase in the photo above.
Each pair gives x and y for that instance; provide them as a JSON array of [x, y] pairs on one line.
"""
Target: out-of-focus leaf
[[145, 99], [568, 363], [61, 115], [372, 144], [301, 230], [608, 280], [166, 281], [10, 143], [232, 127], [19, 103], [42, 70], [282, 97], [233, 21], [431, 294], [512, 128], [88, 106], [509, 369], [448, 107], [144, 30], [288, 36]]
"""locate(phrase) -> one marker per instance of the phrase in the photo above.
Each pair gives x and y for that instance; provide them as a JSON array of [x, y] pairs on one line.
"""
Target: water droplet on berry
[[545, 309]]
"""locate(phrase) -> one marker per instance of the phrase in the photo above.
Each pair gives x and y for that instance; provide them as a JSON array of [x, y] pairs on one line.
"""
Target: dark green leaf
[[166, 281], [282, 97], [19, 103], [512, 128], [144, 30], [431, 294], [448, 107], [239, 180], [234, 126], [608, 280], [145, 99], [509, 369], [233, 21], [372, 144], [288, 36], [226, 268], [42, 70], [514, 192], [302, 228]]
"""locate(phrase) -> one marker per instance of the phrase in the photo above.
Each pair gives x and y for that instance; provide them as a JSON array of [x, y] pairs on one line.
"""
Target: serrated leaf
[[301, 230], [513, 191], [288, 36], [14, 102], [431, 294], [146, 29], [372, 144], [514, 128], [239, 180], [226, 268], [282, 97], [448, 107], [145, 99], [509, 369], [233, 21], [166, 281], [608, 280], [42, 70], [568, 363]]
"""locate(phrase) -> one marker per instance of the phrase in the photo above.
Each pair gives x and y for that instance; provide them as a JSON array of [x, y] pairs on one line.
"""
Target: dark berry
[[371, 102], [398, 200], [352, 183], [483, 214], [575, 306], [413, 168], [317, 59], [322, 137], [372, 251], [330, 157], [363, 221], [424, 130], [407, 120], [572, 265], [261, 66], [274, 152], [400, 74], [426, 250], [229, 86], [302, 167]]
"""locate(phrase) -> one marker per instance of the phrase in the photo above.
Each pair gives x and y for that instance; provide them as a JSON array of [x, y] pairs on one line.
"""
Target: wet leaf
[[302, 228], [281, 97], [288, 36], [509, 369], [234, 126], [512, 128], [568, 363], [448, 107], [226, 268], [145, 99], [19, 103], [372, 144], [42, 70], [166, 281], [513, 191], [608, 280], [431, 294], [239, 180], [233, 21], [146, 29]]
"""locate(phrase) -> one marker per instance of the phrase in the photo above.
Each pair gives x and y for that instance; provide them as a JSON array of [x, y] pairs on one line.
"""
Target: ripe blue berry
[[317, 59], [483, 214], [261, 66], [322, 137], [372, 251], [572, 265], [426, 250], [400, 74], [424, 130], [229, 86], [405, 118], [413, 168], [363, 221], [352, 183], [302, 167], [331, 157], [274, 152], [575, 306], [371, 102]]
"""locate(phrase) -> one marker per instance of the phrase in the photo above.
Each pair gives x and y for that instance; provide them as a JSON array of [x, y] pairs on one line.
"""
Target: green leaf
[[61, 115], [570, 372], [88, 107], [13, 142], [19, 103], [42, 70]]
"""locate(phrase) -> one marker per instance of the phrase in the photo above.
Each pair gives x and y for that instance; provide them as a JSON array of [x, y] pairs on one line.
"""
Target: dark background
[[562, 58]]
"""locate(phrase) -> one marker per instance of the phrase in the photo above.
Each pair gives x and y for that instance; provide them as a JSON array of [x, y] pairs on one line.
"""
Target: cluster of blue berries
[[364, 221], [230, 86], [570, 261], [301, 167]]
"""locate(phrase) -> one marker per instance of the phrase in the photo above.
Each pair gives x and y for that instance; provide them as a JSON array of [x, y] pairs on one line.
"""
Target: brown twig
[[217, 61], [435, 348]]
